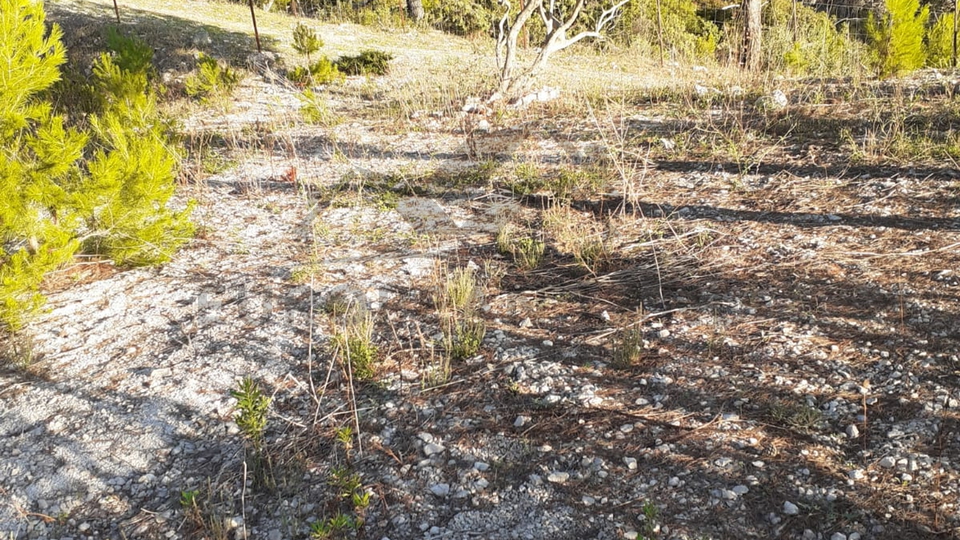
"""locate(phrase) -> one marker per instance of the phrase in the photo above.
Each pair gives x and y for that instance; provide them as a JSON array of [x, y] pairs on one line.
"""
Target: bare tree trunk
[[752, 35], [415, 10], [556, 25]]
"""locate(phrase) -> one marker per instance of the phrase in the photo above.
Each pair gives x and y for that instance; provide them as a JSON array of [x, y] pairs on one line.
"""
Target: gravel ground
[[796, 372]]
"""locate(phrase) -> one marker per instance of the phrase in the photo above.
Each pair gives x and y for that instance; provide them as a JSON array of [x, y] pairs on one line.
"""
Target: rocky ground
[[791, 343]]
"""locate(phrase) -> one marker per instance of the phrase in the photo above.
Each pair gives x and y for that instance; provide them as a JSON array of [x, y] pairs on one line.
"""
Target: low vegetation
[[628, 212]]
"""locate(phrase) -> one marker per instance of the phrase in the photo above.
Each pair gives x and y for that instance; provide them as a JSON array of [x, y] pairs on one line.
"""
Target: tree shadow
[[173, 39]]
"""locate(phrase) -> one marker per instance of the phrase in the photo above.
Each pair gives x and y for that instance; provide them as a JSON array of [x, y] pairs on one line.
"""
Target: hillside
[[655, 307]]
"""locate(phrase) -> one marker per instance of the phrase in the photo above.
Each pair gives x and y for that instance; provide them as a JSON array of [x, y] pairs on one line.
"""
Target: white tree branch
[[556, 27]]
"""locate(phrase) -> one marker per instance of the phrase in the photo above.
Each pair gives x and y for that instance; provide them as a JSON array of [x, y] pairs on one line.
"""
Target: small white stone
[[631, 463], [853, 536], [809, 535], [674, 481], [631, 535], [888, 462], [857, 474], [790, 509], [852, 431], [741, 490], [521, 421], [588, 500], [440, 490], [838, 536], [558, 477], [432, 448], [480, 466]]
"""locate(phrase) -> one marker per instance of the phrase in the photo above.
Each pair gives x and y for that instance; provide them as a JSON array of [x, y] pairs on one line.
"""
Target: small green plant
[[300, 76], [805, 418], [591, 253], [211, 79], [16, 350], [202, 517], [506, 236], [324, 71], [459, 290], [457, 297], [369, 62], [314, 109], [896, 37], [305, 40], [188, 499], [352, 501], [628, 350], [467, 338], [528, 179], [346, 482], [650, 514], [129, 53], [345, 438], [354, 343], [800, 417], [334, 527], [528, 252], [252, 407]]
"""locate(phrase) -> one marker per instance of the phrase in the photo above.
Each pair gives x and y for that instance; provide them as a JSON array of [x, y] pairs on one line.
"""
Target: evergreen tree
[[38, 161], [124, 199], [896, 37], [940, 42], [52, 201]]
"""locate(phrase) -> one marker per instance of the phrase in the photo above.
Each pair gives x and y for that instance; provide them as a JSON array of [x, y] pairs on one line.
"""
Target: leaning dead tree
[[556, 24]]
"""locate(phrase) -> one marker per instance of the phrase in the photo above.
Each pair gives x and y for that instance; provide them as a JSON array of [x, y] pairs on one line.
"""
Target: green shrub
[[51, 195], [354, 343], [252, 408], [131, 177], [686, 35], [896, 37], [300, 75], [818, 47], [314, 110], [940, 42], [305, 40], [461, 17], [324, 71], [38, 161], [130, 54], [368, 62], [211, 78]]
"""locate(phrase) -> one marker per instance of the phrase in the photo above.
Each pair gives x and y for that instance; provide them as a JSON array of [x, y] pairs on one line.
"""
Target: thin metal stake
[[256, 33], [116, 10]]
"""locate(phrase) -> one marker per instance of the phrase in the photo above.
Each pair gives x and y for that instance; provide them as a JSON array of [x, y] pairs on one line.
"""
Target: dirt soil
[[762, 351]]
